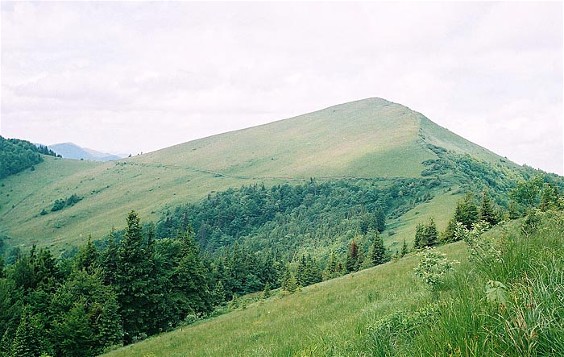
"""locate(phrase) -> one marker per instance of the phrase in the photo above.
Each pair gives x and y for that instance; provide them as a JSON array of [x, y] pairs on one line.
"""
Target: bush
[[432, 267]]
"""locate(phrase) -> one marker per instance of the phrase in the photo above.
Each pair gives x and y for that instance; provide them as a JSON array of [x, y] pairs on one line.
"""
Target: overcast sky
[[130, 77]]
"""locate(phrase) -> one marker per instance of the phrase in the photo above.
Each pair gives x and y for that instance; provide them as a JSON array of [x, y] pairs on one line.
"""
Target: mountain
[[73, 151], [366, 139]]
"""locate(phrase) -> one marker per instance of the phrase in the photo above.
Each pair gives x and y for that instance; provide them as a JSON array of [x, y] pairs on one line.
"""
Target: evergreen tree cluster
[[133, 288], [18, 155], [470, 211], [426, 235], [294, 218], [238, 271], [539, 192], [505, 182]]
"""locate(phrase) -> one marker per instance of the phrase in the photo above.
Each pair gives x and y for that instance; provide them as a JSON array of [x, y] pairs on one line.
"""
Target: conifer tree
[[549, 198], [109, 260], [1, 266], [86, 319], [292, 285], [189, 278], [426, 235], [466, 211], [431, 234], [73, 332], [352, 263], [448, 235], [27, 340], [331, 270], [404, 249], [301, 271], [378, 251], [87, 257], [266, 291], [134, 282], [219, 296], [419, 236], [289, 281], [487, 212]]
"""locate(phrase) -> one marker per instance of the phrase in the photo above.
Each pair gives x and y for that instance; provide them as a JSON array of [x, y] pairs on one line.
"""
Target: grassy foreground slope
[[325, 319], [368, 138], [505, 298]]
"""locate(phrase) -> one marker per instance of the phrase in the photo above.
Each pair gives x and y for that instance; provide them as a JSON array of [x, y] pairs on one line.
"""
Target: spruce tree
[[266, 292], [378, 251], [301, 272], [448, 235], [352, 262], [419, 241], [487, 212], [549, 198], [1, 266], [86, 319], [189, 279], [134, 283], [27, 340], [109, 260], [219, 296], [431, 234], [466, 211], [331, 271], [87, 257]]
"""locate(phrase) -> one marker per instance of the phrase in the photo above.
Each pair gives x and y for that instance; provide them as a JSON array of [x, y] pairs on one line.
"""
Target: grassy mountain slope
[[325, 319], [367, 138], [504, 298]]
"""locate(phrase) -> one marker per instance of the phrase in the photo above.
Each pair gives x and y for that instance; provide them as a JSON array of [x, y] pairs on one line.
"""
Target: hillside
[[371, 138], [73, 151], [329, 318], [512, 290]]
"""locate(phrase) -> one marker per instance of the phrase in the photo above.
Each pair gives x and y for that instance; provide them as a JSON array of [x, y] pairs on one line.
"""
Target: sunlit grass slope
[[327, 319], [367, 138]]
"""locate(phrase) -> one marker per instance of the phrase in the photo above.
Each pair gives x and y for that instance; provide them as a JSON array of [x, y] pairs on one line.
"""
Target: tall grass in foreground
[[511, 304], [508, 302]]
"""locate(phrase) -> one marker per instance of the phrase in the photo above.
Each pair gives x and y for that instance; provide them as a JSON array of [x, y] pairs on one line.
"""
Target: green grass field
[[368, 138], [325, 319], [387, 311]]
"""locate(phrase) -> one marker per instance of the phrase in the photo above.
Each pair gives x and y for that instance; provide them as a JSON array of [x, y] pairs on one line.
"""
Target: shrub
[[432, 267]]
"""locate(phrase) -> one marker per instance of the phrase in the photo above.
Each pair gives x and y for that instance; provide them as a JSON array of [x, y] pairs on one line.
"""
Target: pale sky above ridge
[[130, 77]]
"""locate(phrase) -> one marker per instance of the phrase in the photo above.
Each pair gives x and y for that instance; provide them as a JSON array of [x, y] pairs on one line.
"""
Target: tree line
[[297, 219], [17, 155], [151, 278]]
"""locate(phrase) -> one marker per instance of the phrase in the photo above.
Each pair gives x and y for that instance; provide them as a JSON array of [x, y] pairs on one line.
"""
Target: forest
[[17, 155], [152, 278]]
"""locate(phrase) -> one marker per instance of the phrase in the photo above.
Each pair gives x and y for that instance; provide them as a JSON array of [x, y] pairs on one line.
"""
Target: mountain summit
[[370, 138], [367, 138]]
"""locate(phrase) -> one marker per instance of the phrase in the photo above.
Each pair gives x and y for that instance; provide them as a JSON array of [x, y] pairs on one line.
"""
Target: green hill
[[506, 299], [279, 206], [370, 138]]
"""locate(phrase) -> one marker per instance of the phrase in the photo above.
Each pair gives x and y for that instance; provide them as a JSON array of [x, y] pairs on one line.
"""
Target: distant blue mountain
[[73, 151]]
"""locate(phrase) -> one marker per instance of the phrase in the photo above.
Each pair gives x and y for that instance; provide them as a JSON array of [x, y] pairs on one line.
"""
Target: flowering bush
[[433, 266]]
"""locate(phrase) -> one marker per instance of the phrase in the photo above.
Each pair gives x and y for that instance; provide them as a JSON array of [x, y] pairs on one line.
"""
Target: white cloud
[[98, 72]]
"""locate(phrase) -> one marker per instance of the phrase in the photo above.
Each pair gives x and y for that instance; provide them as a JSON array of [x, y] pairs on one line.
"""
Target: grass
[[525, 316], [440, 208], [385, 311], [326, 319], [368, 138]]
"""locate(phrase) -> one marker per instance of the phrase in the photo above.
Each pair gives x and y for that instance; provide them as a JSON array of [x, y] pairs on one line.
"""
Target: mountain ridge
[[369, 138], [73, 151]]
